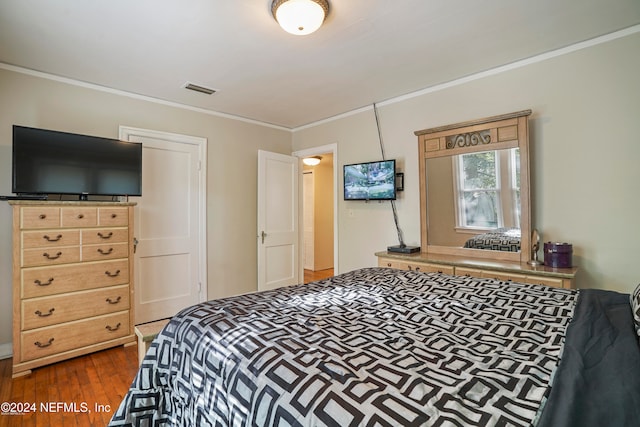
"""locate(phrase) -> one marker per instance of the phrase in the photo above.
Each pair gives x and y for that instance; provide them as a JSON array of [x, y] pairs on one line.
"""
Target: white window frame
[[506, 181]]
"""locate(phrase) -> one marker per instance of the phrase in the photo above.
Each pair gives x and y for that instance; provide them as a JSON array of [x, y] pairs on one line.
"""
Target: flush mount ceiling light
[[300, 17], [312, 161]]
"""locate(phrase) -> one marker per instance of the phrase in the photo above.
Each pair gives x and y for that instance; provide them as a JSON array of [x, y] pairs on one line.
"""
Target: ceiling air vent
[[200, 89]]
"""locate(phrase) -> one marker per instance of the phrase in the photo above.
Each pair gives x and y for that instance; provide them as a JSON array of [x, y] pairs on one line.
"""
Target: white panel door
[[277, 220], [168, 228]]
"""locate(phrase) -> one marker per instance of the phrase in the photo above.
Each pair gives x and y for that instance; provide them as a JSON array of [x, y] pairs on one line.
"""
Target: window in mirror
[[515, 184], [487, 190]]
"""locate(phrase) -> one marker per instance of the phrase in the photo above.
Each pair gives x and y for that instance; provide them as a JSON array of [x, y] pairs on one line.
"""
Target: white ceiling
[[368, 51]]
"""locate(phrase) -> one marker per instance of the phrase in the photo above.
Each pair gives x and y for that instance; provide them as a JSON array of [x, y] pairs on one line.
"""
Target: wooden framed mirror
[[474, 188]]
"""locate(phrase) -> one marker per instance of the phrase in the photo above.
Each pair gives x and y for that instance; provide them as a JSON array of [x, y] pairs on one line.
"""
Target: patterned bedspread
[[502, 239], [375, 347]]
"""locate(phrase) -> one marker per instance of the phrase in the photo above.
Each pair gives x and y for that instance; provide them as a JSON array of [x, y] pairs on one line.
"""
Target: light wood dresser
[[72, 280], [474, 267]]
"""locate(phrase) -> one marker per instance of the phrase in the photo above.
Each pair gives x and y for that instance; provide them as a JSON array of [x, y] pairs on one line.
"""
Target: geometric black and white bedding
[[635, 307], [374, 347], [501, 239]]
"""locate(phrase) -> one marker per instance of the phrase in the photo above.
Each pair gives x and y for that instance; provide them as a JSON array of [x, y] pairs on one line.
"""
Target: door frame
[[316, 151], [125, 132]]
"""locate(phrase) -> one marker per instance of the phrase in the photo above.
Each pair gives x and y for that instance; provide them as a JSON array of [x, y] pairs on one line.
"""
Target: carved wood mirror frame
[[490, 133]]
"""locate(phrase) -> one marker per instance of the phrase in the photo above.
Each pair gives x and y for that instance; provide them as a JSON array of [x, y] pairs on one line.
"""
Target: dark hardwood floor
[[90, 386], [312, 276]]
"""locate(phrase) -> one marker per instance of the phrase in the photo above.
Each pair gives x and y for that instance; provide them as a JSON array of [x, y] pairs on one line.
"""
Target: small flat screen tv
[[52, 162], [370, 181]]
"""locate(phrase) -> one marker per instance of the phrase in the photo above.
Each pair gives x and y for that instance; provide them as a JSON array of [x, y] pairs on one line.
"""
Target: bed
[[385, 347], [500, 239]]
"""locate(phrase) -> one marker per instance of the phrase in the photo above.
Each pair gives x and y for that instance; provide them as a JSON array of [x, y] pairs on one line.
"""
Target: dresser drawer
[[389, 263], [113, 217], [50, 238], [415, 266], [43, 281], [104, 235], [105, 251], [547, 281], [504, 276], [50, 256], [79, 216], [433, 268], [468, 272], [52, 310], [39, 217], [68, 336]]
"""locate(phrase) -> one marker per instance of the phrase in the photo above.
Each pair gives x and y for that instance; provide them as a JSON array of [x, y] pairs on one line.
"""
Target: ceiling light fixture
[[312, 161], [300, 17]]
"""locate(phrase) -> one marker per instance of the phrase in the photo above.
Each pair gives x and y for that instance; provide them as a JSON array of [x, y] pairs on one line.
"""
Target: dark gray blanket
[[598, 380]]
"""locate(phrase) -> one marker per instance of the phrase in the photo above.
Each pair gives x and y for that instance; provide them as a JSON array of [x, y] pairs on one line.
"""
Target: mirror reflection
[[473, 200]]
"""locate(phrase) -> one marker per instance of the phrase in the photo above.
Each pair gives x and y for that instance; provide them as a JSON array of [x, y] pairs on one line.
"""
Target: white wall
[[231, 176], [584, 146], [585, 155]]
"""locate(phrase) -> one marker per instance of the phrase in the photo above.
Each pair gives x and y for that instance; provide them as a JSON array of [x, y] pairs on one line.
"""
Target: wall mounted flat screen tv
[[370, 181], [52, 162]]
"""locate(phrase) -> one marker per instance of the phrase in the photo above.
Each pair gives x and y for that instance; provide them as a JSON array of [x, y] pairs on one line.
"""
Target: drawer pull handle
[[417, 268], [42, 216], [111, 328], [41, 314], [113, 215], [388, 264], [39, 283], [114, 301], [80, 216], [105, 252], [440, 271], [51, 257], [52, 239], [105, 236], [110, 274], [39, 344]]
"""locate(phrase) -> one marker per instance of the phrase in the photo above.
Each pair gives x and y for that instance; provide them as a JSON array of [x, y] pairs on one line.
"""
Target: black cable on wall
[[393, 202]]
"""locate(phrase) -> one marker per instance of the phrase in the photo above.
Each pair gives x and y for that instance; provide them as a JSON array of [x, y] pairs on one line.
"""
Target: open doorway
[[318, 219], [317, 214]]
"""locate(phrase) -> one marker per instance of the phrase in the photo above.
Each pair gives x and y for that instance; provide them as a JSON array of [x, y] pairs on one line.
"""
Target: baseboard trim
[[6, 350]]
